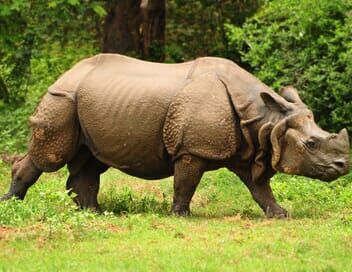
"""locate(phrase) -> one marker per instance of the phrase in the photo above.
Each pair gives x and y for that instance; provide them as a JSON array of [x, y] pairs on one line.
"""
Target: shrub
[[305, 43]]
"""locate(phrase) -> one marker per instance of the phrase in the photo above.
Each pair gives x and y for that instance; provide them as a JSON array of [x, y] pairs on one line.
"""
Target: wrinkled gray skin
[[154, 120]]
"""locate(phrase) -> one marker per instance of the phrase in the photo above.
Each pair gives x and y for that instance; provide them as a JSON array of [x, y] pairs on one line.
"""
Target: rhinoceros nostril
[[339, 164]]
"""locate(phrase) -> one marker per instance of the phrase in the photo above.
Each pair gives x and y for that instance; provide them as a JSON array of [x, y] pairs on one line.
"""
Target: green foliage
[[306, 44], [314, 199], [30, 28], [47, 203], [196, 28], [227, 231], [126, 201]]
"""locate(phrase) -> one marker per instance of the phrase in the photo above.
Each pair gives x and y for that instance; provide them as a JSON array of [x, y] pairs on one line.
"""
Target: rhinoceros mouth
[[327, 173]]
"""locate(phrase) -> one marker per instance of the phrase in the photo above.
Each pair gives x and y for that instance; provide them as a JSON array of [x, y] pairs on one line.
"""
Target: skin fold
[[154, 120]]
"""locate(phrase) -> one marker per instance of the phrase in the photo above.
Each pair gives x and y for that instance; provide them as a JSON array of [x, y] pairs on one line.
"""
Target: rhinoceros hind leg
[[84, 183], [55, 131], [24, 175], [188, 172]]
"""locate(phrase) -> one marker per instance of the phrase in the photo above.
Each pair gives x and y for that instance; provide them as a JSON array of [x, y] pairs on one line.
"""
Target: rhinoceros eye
[[312, 143]]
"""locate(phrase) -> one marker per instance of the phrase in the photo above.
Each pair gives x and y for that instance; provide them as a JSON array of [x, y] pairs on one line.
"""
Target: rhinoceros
[[154, 120]]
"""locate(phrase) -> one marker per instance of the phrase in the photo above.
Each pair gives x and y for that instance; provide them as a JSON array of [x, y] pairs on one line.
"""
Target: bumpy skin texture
[[155, 120], [200, 120], [54, 131]]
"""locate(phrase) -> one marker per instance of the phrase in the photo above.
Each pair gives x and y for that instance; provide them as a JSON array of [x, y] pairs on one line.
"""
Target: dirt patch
[[7, 232], [115, 229], [233, 218], [41, 241]]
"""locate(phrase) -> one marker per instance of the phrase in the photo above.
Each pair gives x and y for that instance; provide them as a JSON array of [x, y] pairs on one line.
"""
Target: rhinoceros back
[[122, 106]]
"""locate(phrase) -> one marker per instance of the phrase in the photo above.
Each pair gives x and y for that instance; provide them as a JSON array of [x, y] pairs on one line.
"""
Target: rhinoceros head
[[300, 147]]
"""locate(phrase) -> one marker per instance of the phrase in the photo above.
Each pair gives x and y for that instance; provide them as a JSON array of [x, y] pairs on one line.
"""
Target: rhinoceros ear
[[262, 158], [275, 138], [275, 102], [290, 94]]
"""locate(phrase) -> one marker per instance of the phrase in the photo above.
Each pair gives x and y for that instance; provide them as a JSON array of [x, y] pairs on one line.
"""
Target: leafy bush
[[30, 28], [307, 44]]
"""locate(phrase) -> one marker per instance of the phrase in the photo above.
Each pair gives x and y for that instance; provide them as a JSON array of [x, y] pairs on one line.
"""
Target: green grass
[[227, 231]]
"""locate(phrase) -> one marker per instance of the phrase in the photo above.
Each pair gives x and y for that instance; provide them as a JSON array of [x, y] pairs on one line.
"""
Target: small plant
[[126, 201]]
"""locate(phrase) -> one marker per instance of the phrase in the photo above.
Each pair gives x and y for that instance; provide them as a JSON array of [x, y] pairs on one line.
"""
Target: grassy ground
[[227, 231]]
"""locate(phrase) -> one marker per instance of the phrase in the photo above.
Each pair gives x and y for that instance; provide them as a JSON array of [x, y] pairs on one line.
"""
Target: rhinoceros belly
[[122, 118]]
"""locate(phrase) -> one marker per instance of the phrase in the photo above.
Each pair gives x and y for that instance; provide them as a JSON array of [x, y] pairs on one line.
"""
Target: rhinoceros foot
[[276, 212], [180, 210]]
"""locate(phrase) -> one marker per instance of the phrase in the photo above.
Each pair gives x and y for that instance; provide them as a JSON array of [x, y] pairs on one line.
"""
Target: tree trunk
[[121, 32], [4, 94], [135, 27], [153, 29]]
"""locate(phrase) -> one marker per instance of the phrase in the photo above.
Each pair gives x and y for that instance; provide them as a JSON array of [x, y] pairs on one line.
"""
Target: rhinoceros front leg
[[24, 175], [263, 195], [84, 182], [188, 172]]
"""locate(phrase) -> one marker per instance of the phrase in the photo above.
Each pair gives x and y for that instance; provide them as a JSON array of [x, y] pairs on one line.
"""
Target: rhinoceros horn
[[343, 135]]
